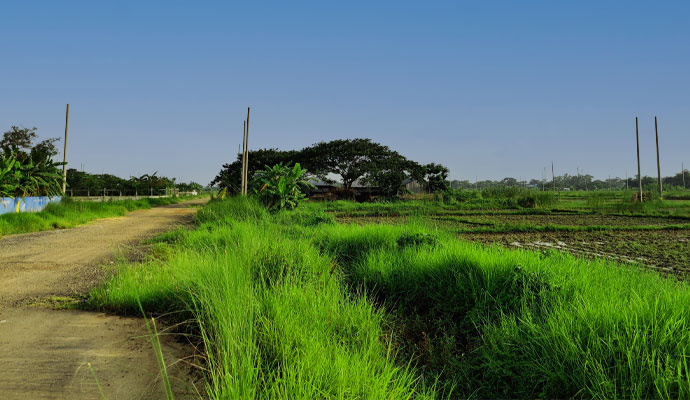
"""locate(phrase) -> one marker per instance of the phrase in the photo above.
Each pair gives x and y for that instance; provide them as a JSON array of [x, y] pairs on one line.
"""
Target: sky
[[488, 88]]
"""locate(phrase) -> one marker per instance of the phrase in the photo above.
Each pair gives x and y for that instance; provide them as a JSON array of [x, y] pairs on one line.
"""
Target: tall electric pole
[[658, 164], [553, 177], [64, 155], [639, 174], [244, 147], [246, 156]]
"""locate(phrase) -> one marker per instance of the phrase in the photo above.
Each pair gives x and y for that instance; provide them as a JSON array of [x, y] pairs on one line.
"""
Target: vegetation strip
[[291, 305], [69, 213]]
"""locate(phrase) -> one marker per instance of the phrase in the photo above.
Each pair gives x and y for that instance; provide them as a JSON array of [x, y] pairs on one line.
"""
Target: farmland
[[425, 298], [652, 235]]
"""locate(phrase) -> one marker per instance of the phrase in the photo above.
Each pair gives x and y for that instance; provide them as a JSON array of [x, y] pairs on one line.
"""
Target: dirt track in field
[[69, 354]]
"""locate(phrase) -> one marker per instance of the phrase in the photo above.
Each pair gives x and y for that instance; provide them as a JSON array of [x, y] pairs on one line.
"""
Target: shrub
[[24, 176], [280, 187]]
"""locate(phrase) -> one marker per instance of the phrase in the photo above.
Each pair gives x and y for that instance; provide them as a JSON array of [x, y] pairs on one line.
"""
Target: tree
[[349, 158], [436, 177], [27, 169], [230, 176], [20, 142], [189, 187], [388, 171], [18, 139]]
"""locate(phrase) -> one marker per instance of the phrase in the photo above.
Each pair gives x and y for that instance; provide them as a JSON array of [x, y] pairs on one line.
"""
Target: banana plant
[[280, 187], [27, 177]]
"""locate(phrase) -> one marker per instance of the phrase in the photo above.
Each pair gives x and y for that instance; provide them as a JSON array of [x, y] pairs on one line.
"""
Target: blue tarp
[[26, 204]]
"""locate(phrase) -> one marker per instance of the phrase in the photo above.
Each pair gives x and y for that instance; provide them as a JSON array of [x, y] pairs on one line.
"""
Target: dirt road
[[67, 354]]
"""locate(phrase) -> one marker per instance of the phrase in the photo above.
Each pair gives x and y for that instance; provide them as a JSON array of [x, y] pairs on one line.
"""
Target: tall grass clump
[[487, 322], [273, 315]]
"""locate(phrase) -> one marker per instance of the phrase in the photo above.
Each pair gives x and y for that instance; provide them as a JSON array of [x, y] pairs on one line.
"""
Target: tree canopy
[[27, 168], [352, 160]]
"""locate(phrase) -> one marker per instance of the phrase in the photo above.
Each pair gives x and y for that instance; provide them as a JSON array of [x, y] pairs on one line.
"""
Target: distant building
[[334, 191]]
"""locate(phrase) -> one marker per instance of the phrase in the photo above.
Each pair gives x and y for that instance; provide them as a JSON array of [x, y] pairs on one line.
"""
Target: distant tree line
[[352, 160], [81, 183], [578, 182]]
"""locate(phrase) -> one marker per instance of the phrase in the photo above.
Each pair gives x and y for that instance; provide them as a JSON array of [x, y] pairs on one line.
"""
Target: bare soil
[[69, 354], [664, 250]]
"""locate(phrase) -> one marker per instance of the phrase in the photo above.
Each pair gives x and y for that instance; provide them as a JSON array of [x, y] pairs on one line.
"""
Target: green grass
[[489, 322], [293, 305], [68, 213], [275, 319], [516, 201]]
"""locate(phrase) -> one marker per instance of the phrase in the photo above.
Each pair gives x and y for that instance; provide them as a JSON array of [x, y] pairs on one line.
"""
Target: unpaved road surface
[[69, 354]]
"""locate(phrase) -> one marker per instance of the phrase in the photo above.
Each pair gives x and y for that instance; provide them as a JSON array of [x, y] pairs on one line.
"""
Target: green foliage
[[82, 183], [388, 171], [275, 318], [491, 323], [505, 192], [22, 176], [536, 199], [190, 187], [27, 169], [436, 178], [280, 187], [230, 176], [68, 213], [351, 159], [298, 310]]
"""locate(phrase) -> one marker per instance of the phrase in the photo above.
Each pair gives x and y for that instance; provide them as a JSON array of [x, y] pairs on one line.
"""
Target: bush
[[22, 176], [280, 187]]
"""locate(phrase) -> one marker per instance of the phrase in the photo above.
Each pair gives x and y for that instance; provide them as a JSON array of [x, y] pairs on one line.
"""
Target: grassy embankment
[[68, 213], [294, 306]]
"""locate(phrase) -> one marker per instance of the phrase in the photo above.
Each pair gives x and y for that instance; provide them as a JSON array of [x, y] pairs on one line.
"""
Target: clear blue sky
[[488, 88]]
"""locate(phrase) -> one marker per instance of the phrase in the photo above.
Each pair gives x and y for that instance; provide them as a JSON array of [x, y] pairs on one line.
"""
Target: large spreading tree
[[351, 159]]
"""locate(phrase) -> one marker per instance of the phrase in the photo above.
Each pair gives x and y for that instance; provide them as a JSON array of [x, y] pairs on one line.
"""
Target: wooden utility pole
[[682, 173], [553, 177], [64, 155], [639, 174], [246, 157], [244, 144], [658, 163]]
